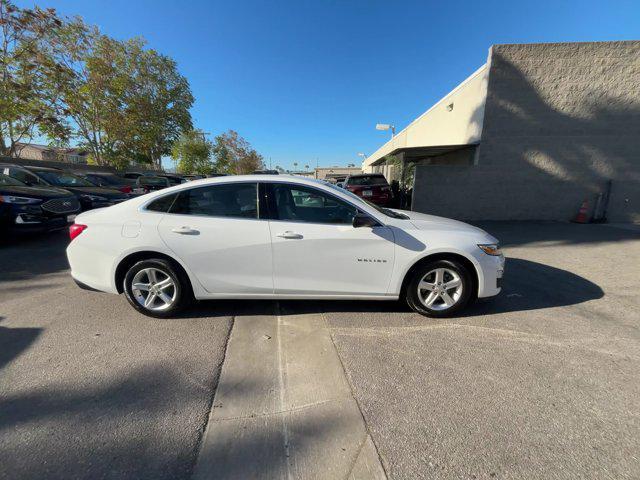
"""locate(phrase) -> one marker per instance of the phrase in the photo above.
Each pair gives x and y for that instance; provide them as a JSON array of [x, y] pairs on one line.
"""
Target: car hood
[[422, 221], [100, 191], [34, 192]]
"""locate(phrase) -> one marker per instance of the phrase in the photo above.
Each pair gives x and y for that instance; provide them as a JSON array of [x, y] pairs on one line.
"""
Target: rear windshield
[[153, 181], [63, 179], [6, 180], [110, 179], [368, 180]]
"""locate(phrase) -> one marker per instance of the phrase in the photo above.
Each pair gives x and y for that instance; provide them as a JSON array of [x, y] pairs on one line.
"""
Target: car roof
[[41, 169]]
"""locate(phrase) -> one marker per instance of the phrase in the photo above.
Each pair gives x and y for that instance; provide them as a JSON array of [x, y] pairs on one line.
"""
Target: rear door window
[[237, 200], [162, 204]]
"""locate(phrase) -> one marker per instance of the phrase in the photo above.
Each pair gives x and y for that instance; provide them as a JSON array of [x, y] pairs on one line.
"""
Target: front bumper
[[32, 219], [492, 268]]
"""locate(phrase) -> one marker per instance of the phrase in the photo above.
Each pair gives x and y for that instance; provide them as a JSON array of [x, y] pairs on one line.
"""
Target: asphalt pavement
[[91, 389], [541, 383]]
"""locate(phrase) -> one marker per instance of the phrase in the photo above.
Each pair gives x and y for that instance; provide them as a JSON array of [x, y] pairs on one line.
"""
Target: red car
[[370, 186]]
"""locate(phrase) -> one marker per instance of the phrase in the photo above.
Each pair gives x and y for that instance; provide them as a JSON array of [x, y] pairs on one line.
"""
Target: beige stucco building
[[332, 173], [530, 135]]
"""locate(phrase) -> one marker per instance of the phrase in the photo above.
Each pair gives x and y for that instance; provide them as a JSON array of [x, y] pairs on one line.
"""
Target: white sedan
[[278, 237]]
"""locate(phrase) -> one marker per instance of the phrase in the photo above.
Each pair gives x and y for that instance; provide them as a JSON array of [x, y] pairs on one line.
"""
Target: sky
[[306, 81]]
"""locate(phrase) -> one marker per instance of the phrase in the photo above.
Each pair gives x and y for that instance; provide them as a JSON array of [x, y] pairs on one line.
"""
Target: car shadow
[[527, 286], [14, 341]]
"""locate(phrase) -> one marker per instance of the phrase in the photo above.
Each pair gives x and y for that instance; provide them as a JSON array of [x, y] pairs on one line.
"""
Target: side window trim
[[185, 190], [273, 215]]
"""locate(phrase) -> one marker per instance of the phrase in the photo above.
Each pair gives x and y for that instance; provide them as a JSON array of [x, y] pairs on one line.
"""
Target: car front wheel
[[439, 289], [156, 288]]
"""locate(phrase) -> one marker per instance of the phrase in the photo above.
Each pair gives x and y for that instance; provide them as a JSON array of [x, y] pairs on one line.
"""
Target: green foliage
[[127, 103], [192, 151], [234, 155], [63, 79], [30, 73]]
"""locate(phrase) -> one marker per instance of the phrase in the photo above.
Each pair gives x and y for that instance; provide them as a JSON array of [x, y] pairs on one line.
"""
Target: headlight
[[19, 200], [94, 198], [491, 249]]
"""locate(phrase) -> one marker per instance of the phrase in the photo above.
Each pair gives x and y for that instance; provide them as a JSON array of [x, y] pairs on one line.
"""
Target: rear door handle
[[184, 230], [290, 235]]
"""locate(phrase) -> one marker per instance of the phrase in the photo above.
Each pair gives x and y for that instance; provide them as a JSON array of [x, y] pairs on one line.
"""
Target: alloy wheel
[[154, 289], [440, 289]]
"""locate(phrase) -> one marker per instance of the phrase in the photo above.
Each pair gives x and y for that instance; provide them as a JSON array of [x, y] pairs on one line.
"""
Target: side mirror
[[363, 220]]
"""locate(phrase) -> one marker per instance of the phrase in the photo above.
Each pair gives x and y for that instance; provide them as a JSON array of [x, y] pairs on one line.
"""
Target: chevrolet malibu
[[278, 237]]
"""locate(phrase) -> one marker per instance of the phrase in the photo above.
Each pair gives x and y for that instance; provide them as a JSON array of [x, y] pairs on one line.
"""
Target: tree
[[351, 165], [306, 168], [234, 155], [192, 151], [30, 75], [126, 102], [158, 99], [279, 169], [295, 166]]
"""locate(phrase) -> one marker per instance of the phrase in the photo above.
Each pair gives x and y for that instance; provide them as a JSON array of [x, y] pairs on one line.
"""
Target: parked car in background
[[373, 187], [173, 179], [339, 181], [280, 237], [191, 178], [150, 184], [89, 195], [34, 209], [111, 180], [132, 175], [266, 172]]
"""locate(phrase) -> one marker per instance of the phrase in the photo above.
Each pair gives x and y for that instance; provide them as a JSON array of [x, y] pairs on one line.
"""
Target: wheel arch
[[471, 267], [133, 258]]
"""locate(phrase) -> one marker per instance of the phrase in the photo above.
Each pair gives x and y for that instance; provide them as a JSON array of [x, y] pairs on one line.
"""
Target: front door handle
[[289, 235], [184, 230]]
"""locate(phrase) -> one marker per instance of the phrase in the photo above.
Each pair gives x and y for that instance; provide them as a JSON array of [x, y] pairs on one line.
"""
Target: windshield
[[368, 180], [63, 179], [109, 178], [6, 180], [385, 211], [153, 181]]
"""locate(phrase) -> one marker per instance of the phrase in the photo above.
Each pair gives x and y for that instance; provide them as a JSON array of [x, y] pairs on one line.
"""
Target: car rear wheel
[[156, 288], [439, 289]]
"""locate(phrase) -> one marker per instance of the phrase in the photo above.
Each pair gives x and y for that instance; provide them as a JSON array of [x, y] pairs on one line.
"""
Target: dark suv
[[89, 195], [34, 209], [370, 186]]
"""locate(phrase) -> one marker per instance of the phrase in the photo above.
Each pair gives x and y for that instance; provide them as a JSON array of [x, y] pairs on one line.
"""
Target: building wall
[[560, 120], [455, 120]]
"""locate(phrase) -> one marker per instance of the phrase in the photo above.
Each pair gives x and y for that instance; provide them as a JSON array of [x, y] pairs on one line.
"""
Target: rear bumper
[[84, 286]]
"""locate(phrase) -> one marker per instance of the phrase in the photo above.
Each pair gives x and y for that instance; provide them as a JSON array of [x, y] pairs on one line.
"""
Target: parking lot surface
[[542, 382], [88, 387]]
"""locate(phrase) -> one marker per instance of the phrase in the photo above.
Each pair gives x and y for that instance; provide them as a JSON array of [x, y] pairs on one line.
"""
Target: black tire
[[411, 291], [182, 292]]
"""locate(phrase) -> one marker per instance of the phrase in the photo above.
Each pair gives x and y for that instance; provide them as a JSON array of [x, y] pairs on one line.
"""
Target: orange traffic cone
[[582, 213]]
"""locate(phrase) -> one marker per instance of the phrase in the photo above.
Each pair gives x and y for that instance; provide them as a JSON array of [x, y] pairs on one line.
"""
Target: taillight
[[126, 189], [76, 229]]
